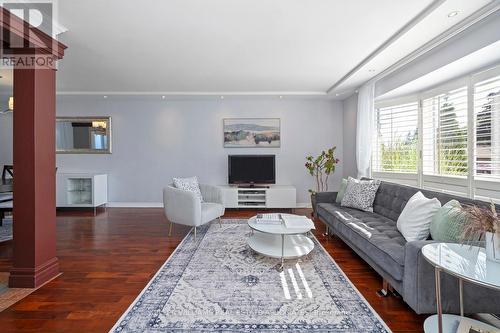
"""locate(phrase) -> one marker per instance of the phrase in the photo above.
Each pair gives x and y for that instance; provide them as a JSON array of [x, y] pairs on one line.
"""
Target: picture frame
[[251, 132]]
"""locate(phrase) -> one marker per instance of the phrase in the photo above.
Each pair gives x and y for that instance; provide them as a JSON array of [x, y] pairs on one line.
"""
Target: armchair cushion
[[189, 184], [210, 211]]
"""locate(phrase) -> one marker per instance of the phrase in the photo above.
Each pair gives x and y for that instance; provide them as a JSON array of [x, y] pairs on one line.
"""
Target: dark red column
[[34, 225]]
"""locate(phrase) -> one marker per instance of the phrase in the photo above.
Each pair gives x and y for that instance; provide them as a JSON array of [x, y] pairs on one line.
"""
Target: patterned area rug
[[6, 230], [218, 284]]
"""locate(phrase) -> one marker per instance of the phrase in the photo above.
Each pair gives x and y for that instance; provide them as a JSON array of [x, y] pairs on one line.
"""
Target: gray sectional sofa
[[376, 239]]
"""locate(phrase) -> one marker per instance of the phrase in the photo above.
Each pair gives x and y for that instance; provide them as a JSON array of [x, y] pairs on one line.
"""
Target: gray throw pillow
[[360, 194]]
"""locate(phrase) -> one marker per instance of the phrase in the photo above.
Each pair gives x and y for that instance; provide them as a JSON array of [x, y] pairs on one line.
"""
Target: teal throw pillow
[[448, 222], [341, 192]]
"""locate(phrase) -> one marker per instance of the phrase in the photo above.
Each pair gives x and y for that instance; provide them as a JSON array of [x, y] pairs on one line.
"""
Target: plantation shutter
[[395, 139], [444, 137], [487, 136]]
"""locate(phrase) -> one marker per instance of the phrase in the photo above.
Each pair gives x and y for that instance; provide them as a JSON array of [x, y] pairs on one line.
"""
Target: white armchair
[[184, 207]]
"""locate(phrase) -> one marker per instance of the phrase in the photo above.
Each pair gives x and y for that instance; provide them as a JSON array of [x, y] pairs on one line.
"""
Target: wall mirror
[[83, 135]]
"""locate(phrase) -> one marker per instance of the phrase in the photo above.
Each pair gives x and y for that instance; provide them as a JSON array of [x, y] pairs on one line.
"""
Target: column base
[[27, 277]]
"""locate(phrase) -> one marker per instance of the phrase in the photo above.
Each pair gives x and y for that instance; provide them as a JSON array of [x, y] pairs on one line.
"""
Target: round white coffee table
[[277, 241], [467, 263]]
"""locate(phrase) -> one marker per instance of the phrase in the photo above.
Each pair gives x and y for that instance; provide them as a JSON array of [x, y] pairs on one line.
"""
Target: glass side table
[[467, 263]]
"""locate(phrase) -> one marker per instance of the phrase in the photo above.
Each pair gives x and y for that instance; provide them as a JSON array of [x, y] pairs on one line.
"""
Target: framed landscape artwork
[[252, 133]]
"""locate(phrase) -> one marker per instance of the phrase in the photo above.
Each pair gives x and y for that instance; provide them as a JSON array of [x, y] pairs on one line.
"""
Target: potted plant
[[484, 223], [321, 167]]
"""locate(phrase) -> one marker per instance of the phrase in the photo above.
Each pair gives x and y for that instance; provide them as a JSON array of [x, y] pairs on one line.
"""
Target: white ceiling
[[238, 46]]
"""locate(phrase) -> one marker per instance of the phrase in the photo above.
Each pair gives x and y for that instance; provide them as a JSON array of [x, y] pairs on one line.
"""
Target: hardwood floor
[[108, 259]]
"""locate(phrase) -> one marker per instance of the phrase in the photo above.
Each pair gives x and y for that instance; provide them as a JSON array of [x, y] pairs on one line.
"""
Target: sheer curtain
[[364, 128]]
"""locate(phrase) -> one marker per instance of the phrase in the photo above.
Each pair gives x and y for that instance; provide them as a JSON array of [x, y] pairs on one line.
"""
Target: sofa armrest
[[328, 197], [418, 280], [419, 287], [322, 197]]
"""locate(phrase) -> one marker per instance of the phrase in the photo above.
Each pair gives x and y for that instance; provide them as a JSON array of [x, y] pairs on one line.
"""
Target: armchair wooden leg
[[170, 229], [220, 222], [194, 233]]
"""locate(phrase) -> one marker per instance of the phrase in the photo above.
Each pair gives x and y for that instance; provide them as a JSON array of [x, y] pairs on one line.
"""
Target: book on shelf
[[297, 222], [468, 326]]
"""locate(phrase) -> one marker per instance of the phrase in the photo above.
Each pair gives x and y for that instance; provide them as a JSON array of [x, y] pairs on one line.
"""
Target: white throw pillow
[[415, 220], [360, 194], [189, 184]]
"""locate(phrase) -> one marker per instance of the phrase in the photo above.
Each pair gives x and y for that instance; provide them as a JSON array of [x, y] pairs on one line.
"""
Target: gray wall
[[350, 106], [155, 140]]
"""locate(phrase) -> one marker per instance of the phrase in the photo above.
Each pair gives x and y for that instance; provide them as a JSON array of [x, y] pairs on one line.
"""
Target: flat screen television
[[251, 169]]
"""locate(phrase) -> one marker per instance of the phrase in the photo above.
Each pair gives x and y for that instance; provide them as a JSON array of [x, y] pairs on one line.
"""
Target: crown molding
[[407, 27], [194, 93], [475, 18]]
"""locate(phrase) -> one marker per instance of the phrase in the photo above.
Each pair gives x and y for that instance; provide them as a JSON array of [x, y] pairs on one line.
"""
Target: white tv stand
[[273, 196]]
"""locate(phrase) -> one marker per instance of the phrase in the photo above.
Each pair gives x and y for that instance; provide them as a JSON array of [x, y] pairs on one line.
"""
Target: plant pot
[[493, 246], [313, 203]]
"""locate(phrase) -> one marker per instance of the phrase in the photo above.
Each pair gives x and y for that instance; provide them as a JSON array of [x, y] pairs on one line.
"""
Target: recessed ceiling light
[[337, 94], [452, 14], [281, 97], [222, 97], [163, 97], [104, 96]]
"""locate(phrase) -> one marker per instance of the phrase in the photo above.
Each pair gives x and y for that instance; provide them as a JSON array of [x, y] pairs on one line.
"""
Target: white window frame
[[470, 185], [402, 178]]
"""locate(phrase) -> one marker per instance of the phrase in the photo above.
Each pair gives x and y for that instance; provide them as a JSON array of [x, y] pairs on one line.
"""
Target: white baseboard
[[135, 204], [304, 205], [160, 205]]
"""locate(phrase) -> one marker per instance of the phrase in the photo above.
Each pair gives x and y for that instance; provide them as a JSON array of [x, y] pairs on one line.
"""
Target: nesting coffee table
[[278, 241]]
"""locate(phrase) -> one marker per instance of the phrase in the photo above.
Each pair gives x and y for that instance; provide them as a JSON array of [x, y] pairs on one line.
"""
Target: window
[[487, 135], [444, 137], [396, 139]]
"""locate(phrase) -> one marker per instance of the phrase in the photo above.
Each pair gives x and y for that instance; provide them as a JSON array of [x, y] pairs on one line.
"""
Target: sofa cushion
[[391, 199], [375, 235]]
